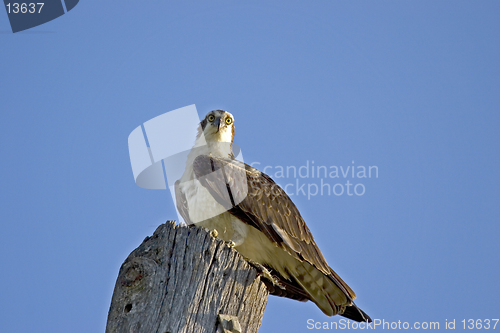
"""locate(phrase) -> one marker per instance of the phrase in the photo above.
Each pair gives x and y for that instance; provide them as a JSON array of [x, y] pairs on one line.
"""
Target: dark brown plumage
[[247, 208], [254, 198]]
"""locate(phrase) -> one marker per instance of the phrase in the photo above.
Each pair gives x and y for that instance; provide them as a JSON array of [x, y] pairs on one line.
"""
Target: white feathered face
[[218, 126]]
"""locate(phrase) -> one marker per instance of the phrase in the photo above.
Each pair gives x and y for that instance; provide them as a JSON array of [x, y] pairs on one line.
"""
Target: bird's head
[[217, 126]]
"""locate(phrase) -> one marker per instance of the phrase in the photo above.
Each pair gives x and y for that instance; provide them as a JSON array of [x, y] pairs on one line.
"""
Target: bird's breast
[[205, 211]]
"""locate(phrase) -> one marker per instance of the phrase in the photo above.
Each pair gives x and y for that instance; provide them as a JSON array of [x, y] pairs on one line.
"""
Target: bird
[[250, 212]]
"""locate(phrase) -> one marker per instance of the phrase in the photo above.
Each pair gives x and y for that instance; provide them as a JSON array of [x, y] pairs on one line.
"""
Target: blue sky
[[411, 87]]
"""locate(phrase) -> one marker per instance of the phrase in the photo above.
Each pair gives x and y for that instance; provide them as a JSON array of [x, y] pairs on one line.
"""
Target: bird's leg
[[264, 272]]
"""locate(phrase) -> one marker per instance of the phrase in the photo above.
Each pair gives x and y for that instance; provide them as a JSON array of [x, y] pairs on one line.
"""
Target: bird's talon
[[230, 243], [214, 233], [264, 272]]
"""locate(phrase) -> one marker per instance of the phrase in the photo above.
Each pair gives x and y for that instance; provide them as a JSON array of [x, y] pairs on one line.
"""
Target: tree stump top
[[181, 279]]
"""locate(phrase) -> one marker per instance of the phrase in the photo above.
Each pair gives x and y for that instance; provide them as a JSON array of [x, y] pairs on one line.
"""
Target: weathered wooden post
[[182, 279]]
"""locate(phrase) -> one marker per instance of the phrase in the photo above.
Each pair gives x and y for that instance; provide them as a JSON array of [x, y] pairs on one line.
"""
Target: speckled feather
[[266, 207]]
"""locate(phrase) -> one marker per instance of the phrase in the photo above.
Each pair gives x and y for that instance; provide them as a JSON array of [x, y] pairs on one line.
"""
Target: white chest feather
[[206, 212]]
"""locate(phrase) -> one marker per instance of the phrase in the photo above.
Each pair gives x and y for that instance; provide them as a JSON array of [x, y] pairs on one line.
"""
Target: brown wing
[[257, 200]]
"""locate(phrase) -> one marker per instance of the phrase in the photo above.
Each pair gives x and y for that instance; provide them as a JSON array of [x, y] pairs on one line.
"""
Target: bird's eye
[[211, 118], [229, 121]]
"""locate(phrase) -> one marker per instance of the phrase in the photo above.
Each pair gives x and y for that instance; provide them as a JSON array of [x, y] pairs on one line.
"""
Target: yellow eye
[[229, 121], [211, 118]]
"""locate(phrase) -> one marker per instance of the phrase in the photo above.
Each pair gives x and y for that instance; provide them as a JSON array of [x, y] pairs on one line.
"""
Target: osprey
[[247, 209]]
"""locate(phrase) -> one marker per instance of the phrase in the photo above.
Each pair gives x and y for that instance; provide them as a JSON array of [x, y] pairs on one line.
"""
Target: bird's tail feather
[[354, 313], [330, 293], [321, 289]]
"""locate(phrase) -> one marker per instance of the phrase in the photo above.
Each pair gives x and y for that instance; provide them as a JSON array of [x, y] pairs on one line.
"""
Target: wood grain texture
[[180, 280]]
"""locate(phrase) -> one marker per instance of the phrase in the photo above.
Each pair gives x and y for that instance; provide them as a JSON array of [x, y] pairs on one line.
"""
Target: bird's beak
[[217, 123]]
